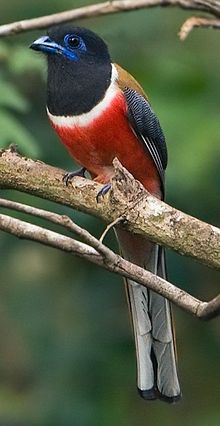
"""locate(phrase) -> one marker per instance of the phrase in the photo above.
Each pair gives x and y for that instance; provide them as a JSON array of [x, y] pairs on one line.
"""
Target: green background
[[66, 348]]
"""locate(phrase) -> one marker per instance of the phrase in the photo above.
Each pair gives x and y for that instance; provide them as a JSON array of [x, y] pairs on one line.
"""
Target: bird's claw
[[70, 175], [103, 191]]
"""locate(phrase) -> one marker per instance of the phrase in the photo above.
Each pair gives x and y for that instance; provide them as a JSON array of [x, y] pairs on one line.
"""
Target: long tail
[[152, 324]]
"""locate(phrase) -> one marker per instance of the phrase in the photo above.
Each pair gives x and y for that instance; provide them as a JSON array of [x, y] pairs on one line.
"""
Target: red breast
[[98, 141]]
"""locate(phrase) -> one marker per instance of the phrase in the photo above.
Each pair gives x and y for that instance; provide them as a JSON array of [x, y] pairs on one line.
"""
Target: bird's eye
[[73, 41]]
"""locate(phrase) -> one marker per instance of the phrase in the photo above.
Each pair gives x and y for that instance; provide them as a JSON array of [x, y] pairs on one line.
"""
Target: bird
[[99, 111]]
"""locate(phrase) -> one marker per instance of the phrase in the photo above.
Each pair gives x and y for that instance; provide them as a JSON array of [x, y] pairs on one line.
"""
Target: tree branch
[[140, 211], [62, 220], [102, 256], [109, 7], [195, 22]]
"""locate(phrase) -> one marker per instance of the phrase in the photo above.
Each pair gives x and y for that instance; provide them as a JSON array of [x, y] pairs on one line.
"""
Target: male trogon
[[100, 112]]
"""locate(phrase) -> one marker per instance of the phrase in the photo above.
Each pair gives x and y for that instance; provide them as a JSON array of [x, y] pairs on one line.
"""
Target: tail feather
[[152, 323], [143, 337]]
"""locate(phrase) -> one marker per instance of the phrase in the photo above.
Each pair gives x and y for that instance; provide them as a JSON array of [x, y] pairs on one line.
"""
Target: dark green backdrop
[[66, 349]]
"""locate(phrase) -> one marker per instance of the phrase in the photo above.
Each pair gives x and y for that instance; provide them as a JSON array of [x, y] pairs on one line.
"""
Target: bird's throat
[[75, 88]]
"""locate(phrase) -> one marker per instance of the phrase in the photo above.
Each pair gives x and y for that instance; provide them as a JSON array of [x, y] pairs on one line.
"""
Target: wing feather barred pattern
[[147, 128]]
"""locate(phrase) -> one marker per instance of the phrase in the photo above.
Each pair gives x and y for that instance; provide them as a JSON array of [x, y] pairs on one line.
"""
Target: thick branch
[[109, 260], [142, 213], [109, 7]]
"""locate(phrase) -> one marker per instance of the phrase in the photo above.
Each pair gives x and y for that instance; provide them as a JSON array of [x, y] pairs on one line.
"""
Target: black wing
[[147, 128]]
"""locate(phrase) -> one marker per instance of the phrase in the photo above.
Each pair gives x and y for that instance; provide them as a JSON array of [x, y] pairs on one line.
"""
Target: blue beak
[[46, 45]]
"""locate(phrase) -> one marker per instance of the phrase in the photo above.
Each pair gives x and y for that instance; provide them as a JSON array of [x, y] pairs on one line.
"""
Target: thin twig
[[113, 262], [110, 226], [199, 22], [61, 220], [109, 7]]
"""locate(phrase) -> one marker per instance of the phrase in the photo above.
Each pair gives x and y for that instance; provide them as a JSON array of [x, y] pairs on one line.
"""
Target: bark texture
[[140, 212]]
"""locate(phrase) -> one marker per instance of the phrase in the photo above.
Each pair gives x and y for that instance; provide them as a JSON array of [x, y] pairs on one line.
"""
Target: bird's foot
[[103, 191], [70, 175]]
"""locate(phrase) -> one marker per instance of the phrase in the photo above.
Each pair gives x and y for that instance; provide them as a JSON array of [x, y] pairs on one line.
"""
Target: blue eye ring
[[74, 42]]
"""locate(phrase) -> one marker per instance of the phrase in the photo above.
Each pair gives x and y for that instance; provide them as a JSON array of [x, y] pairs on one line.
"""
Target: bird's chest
[[95, 138]]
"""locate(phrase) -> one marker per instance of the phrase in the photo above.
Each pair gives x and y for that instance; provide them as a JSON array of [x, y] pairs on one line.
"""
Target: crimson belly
[[96, 145]]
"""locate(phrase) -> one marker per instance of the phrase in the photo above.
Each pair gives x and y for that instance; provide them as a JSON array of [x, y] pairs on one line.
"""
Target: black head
[[79, 69], [74, 44]]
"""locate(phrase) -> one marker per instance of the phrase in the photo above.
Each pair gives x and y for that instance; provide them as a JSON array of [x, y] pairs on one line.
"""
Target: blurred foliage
[[66, 349], [15, 63]]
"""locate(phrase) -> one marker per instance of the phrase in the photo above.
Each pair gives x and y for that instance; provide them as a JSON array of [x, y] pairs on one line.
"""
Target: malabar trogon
[[100, 112]]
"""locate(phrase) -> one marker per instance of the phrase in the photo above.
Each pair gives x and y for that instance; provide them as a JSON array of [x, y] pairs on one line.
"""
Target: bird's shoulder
[[126, 80], [143, 120]]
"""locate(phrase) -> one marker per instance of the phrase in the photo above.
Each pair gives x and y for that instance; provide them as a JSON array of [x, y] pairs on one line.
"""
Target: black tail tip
[[153, 394], [149, 394], [169, 399]]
